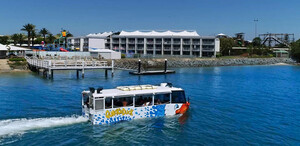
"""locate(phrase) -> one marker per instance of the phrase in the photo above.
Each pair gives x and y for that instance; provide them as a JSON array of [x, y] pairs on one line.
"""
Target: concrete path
[[4, 67]]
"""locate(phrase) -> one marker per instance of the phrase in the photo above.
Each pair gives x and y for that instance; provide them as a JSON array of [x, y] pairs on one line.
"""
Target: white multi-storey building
[[163, 43], [152, 43]]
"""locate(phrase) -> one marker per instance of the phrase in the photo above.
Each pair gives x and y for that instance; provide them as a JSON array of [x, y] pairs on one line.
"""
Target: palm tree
[[21, 38], [69, 34], [15, 38], [44, 32], [33, 35], [28, 28], [51, 38]]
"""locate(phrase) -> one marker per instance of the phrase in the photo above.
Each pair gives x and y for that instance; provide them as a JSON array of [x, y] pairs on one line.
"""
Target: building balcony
[[196, 43], [158, 48], [208, 43], [158, 42], [140, 48], [176, 42], [149, 48], [131, 42], [176, 49], [150, 42], [167, 48], [167, 42], [115, 42], [186, 43], [208, 47], [186, 49], [196, 49], [140, 42], [131, 48]]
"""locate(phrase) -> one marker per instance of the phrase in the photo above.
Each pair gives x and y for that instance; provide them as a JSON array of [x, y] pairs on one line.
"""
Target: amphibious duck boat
[[132, 102]]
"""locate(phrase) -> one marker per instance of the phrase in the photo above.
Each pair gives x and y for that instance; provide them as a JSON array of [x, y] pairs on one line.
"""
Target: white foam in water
[[19, 126]]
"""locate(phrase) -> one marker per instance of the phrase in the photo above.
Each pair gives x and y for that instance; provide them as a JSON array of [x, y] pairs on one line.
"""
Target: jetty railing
[[69, 64], [61, 64]]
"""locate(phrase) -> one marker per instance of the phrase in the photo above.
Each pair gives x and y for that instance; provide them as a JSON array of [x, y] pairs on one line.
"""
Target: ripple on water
[[241, 105]]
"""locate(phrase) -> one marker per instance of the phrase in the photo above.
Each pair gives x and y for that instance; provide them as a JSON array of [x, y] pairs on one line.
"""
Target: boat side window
[[123, 101], [108, 102], [162, 98], [91, 102], [178, 97], [85, 99], [143, 100], [99, 104]]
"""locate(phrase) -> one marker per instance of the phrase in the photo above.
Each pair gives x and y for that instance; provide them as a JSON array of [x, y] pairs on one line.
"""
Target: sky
[[207, 17]]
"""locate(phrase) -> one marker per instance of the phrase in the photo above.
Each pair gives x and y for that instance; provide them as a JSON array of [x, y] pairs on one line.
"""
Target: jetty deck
[[49, 65]]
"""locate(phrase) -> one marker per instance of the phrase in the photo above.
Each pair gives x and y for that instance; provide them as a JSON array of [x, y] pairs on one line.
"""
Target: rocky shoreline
[[7, 66], [132, 64]]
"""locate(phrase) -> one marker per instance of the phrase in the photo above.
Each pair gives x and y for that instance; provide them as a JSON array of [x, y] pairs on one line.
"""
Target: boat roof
[[119, 92]]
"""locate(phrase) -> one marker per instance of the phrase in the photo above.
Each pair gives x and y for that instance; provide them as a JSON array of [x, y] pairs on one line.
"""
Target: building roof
[[104, 34], [12, 48], [158, 33]]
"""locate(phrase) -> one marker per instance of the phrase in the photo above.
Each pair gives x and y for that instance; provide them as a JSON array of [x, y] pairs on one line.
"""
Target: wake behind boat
[[133, 102]]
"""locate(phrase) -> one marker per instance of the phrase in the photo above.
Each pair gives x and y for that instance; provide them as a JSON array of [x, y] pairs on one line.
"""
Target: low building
[[88, 42], [6, 50]]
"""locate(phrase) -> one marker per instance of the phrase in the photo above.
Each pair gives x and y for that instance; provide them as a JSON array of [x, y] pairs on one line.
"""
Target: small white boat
[[132, 102]]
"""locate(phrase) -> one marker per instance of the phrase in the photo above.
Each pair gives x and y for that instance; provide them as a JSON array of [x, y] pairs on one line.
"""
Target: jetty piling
[[139, 68], [154, 72], [166, 62]]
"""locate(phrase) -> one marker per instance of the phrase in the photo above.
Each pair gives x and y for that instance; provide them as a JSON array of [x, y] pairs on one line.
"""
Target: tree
[[21, 38], [33, 36], [226, 45], [295, 50], [28, 28], [50, 38], [4, 40], [256, 42], [15, 38], [69, 34], [44, 32]]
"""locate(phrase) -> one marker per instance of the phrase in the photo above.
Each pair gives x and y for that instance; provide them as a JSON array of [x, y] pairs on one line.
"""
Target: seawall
[[132, 64]]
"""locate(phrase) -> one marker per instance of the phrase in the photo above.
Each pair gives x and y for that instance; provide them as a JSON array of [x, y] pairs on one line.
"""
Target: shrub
[[17, 59], [136, 55], [123, 55]]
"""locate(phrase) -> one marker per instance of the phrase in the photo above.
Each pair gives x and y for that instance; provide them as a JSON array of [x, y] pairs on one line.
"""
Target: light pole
[[255, 21]]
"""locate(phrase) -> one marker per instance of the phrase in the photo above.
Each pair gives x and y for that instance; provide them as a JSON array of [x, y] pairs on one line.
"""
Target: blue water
[[241, 105]]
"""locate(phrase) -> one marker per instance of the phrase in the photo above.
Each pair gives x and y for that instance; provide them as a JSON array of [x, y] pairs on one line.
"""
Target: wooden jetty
[[153, 72], [49, 65]]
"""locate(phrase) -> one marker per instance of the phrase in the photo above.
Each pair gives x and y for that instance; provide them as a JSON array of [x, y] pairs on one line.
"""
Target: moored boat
[[133, 102]]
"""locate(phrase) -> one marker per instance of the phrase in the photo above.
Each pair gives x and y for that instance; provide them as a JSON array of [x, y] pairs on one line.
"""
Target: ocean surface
[[240, 105]]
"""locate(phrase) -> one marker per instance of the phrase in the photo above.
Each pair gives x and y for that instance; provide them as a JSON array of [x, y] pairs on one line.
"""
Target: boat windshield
[[178, 97], [162, 98]]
